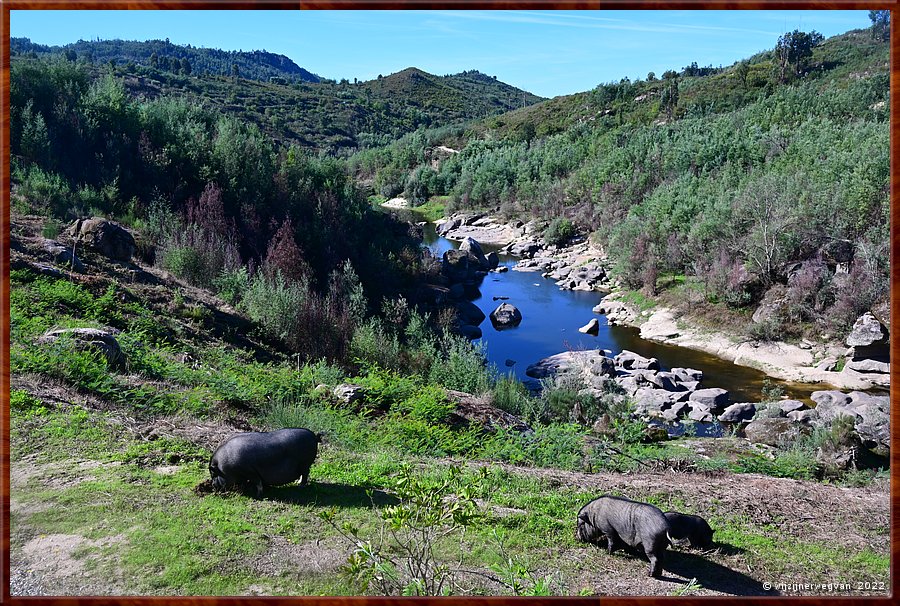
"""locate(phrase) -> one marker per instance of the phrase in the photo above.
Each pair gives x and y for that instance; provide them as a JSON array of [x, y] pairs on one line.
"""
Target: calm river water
[[551, 318]]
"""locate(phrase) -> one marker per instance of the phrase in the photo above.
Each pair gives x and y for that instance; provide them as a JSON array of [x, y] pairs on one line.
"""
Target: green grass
[[434, 209]]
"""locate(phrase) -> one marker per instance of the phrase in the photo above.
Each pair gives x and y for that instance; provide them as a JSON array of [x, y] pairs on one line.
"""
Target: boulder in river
[[738, 412], [713, 397], [506, 316], [469, 313], [629, 360], [470, 332], [591, 328], [493, 260], [471, 246]]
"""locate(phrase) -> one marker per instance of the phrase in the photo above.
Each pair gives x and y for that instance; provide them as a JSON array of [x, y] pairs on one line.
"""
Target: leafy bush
[[46, 193], [198, 255], [559, 231], [403, 558], [511, 395]]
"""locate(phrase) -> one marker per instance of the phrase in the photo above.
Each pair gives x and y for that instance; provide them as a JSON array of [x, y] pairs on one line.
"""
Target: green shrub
[[511, 395], [45, 193], [22, 402], [52, 228], [198, 256], [557, 445], [464, 367], [428, 404], [559, 231], [231, 284], [340, 426]]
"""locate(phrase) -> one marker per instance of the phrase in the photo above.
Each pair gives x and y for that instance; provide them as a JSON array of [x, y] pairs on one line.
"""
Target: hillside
[[162, 54], [668, 175], [125, 444], [290, 105]]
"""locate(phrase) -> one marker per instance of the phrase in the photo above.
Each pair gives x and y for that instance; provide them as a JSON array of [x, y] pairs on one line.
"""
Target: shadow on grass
[[330, 495], [711, 575]]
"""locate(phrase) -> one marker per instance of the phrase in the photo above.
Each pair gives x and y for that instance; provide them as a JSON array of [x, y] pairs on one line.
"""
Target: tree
[[793, 49], [71, 55], [154, 60], [651, 77], [881, 24], [669, 98], [741, 72], [185, 66]]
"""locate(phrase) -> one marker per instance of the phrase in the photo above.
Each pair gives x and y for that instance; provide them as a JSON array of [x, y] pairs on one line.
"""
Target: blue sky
[[545, 52]]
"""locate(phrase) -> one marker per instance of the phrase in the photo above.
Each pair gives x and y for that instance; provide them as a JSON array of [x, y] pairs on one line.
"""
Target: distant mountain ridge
[[254, 65]]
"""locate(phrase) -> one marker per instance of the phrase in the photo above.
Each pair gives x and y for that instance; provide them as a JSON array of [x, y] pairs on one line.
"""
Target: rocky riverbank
[[861, 364]]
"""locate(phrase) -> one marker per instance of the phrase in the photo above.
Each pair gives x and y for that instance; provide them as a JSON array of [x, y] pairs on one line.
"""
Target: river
[[551, 318]]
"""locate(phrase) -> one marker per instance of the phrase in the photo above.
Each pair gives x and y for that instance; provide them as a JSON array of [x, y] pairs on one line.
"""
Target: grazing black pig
[[264, 459], [693, 528], [625, 522]]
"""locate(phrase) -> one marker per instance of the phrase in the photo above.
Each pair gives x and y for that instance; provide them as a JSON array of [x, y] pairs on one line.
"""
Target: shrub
[[198, 255], [402, 558], [559, 231], [46, 193], [511, 395], [231, 284], [464, 367]]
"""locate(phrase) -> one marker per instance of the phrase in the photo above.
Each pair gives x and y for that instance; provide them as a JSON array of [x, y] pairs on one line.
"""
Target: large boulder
[[458, 265], [591, 328], [469, 313], [103, 341], [469, 332], [871, 415], [866, 365], [506, 316], [445, 225], [869, 338], [774, 431], [713, 398], [837, 251], [105, 237], [628, 360], [773, 306], [479, 412], [471, 246], [63, 256], [493, 260], [349, 393], [738, 412], [685, 375]]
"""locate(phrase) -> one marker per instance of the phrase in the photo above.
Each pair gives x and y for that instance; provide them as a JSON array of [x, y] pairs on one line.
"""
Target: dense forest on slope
[[162, 54], [315, 113], [744, 179]]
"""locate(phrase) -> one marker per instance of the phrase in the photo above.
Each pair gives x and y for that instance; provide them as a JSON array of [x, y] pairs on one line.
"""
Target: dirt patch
[[54, 559], [300, 559]]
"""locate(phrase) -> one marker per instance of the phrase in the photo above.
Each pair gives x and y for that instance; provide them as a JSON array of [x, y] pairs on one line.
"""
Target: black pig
[[693, 528], [625, 522], [264, 459]]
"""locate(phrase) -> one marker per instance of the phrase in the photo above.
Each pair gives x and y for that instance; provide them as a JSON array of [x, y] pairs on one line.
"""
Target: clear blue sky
[[545, 52]]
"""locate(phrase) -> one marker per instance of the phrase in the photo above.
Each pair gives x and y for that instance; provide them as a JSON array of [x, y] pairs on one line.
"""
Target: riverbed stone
[[774, 431], [469, 313], [869, 338], [736, 413], [676, 410], [807, 416], [506, 316], [788, 406], [687, 374], [701, 414], [493, 259], [828, 364], [470, 332], [591, 328], [867, 365], [713, 397], [629, 360], [471, 246]]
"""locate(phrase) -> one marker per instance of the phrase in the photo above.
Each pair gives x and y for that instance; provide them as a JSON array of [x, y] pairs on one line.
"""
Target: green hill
[[255, 65]]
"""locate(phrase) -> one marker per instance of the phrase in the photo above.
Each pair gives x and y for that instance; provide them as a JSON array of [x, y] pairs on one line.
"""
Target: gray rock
[[506, 316], [687, 374], [647, 399], [837, 251], [63, 256], [831, 399], [605, 367], [591, 328], [866, 366], [106, 237], [458, 265], [493, 260], [703, 415], [444, 226], [103, 341], [677, 409], [665, 380], [738, 412], [788, 406], [349, 393], [828, 364], [775, 431], [628, 360], [869, 338], [715, 398], [773, 305], [471, 246], [803, 416]]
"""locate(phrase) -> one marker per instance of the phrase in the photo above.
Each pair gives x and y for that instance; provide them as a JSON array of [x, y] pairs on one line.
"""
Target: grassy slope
[[123, 453]]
